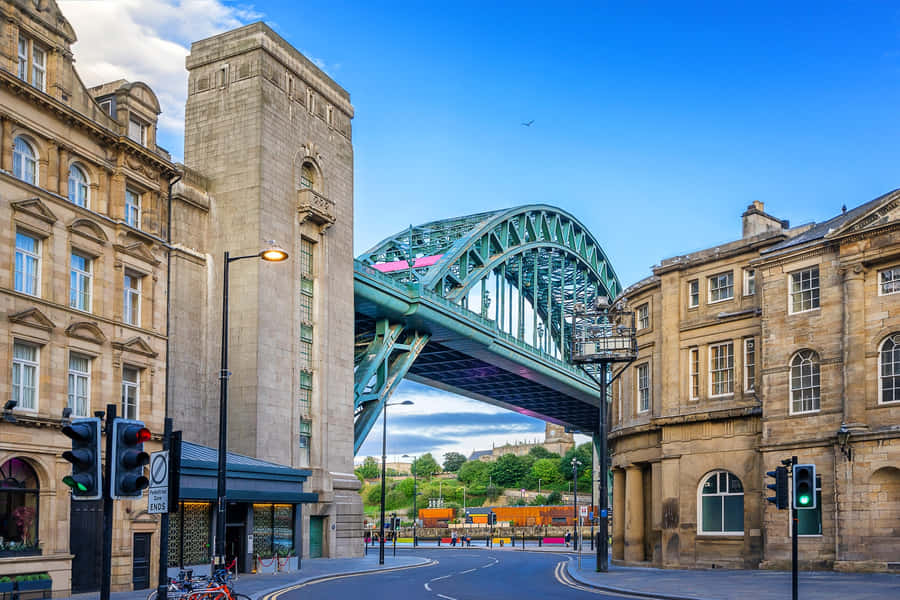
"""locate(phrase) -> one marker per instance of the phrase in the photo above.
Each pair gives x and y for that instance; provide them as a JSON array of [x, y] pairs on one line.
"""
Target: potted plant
[[287, 559], [6, 585], [266, 562]]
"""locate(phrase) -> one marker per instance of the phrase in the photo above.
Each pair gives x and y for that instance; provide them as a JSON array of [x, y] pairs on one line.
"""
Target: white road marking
[[445, 597], [439, 578], [427, 587], [469, 571]]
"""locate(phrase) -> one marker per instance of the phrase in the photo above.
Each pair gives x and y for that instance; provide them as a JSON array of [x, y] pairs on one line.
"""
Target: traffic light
[[492, 518], [86, 479], [780, 499], [804, 486], [129, 458]]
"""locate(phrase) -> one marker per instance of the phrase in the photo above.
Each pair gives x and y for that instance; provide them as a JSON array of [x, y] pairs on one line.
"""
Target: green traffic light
[[70, 481], [804, 500]]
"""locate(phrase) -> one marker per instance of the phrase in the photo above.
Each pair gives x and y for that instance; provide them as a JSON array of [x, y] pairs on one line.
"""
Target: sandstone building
[[87, 196], [778, 344], [83, 194]]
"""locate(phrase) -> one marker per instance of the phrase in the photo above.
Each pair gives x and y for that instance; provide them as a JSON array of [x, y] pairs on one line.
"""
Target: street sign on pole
[[158, 493], [583, 511]]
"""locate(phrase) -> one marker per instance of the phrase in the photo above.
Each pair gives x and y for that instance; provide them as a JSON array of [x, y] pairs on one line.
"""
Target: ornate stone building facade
[[778, 344], [83, 192]]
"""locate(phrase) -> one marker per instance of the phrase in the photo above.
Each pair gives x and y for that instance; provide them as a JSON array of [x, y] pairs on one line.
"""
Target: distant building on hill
[[556, 440]]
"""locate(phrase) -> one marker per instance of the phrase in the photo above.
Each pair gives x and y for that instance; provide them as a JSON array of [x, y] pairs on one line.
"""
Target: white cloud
[[148, 40]]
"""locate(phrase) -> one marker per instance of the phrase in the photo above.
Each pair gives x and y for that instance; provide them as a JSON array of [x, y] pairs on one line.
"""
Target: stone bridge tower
[[269, 135]]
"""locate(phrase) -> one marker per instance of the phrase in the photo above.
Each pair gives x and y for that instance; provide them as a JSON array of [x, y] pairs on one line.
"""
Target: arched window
[[889, 369], [24, 161], [805, 382], [19, 490], [308, 177], [721, 505], [78, 186]]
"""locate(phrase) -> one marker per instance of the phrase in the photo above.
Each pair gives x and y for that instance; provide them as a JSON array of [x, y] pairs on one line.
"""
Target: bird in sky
[[528, 124]]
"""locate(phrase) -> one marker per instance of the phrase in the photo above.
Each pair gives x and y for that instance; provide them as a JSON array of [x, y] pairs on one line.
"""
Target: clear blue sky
[[655, 123]]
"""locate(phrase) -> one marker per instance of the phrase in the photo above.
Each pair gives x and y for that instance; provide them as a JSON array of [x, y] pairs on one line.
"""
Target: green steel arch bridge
[[481, 306]]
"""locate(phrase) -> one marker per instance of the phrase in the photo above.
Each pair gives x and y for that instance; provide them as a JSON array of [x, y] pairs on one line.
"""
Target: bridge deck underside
[[450, 370]]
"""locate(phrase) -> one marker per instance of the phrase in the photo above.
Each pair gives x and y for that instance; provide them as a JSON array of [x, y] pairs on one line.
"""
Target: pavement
[[727, 584], [256, 586]]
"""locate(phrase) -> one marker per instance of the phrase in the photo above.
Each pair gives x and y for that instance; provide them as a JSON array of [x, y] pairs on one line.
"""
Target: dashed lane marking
[[439, 578], [445, 597], [468, 571]]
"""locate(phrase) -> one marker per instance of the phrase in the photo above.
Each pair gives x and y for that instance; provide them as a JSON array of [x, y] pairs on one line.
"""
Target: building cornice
[[684, 419]]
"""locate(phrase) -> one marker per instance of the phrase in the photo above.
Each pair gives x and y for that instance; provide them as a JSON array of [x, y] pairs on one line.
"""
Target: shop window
[[273, 528], [196, 535], [721, 504], [19, 493]]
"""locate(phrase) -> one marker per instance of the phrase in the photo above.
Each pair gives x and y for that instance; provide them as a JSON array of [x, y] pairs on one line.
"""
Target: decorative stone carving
[[87, 331], [35, 208], [33, 317], [88, 229], [138, 250], [136, 345], [312, 206]]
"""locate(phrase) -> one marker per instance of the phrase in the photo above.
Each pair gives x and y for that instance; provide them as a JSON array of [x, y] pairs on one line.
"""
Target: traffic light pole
[[794, 536], [603, 458], [163, 587], [106, 558]]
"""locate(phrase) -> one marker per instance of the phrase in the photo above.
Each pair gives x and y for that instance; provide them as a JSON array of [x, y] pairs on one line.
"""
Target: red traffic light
[[135, 435]]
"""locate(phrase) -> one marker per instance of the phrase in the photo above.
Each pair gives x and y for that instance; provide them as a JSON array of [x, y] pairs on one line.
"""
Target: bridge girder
[[536, 255]]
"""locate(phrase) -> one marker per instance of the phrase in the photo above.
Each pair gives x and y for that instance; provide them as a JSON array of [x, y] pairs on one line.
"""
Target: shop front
[[262, 518]]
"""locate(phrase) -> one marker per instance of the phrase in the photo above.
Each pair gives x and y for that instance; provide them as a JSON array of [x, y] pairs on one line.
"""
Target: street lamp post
[[383, 472], [575, 464], [271, 254], [415, 495], [539, 486]]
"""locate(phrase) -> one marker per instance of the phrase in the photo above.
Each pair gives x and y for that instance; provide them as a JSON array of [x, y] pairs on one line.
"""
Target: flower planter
[[34, 586], [266, 566], [287, 564]]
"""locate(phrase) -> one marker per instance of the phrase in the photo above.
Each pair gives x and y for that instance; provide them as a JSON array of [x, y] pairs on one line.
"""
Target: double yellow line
[[278, 593]]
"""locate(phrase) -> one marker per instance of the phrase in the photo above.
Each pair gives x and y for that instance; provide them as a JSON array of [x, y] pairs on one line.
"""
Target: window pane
[[710, 486], [712, 513], [734, 513]]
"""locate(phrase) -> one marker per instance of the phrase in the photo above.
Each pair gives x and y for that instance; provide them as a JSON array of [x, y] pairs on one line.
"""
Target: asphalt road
[[470, 574]]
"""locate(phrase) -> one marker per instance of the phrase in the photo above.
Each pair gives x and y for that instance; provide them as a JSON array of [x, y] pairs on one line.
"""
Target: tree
[[555, 498], [453, 461], [367, 470], [584, 453], [425, 466], [547, 470], [541, 452], [509, 470], [474, 472], [539, 500]]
